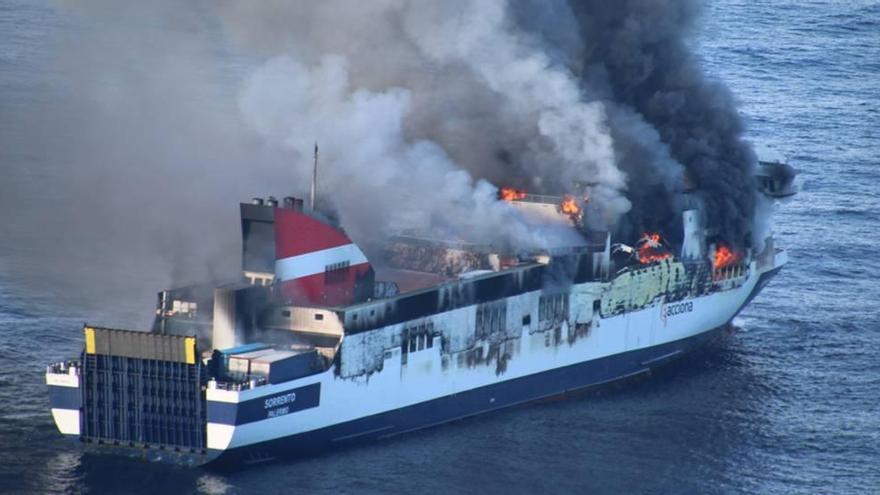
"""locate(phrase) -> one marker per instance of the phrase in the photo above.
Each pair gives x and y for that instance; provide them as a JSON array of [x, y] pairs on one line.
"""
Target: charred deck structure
[[315, 346]]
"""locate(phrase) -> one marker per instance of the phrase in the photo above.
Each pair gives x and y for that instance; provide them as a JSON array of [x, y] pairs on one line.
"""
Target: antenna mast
[[314, 178]]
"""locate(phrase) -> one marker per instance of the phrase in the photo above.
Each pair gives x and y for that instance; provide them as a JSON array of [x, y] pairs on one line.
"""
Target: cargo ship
[[313, 346]]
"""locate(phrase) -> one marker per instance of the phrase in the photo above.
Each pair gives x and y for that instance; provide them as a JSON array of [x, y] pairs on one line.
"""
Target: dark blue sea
[[787, 403]]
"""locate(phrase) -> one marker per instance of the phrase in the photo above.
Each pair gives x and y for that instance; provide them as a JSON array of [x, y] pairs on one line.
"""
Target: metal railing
[[68, 367], [238, 385]]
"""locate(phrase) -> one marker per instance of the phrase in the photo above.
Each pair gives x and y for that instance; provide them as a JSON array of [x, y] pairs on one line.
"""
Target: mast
[[314, 179]]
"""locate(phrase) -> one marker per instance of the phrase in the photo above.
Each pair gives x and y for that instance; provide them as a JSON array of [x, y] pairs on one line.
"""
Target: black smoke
[[638, 51]]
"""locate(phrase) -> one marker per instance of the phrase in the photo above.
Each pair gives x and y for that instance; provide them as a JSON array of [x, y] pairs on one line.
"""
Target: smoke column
[[490, 104], [637, 50], [538, 94], [161, 116]]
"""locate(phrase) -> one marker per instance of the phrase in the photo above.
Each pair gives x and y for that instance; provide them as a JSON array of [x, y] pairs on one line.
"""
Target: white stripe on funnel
[[316, 262]]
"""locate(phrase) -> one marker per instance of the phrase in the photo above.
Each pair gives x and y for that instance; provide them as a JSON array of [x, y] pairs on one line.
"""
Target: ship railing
[[736, 271], [238, 385], [68, 367]]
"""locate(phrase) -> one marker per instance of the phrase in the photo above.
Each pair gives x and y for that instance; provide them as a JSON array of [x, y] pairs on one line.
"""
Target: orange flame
[[569, 206], [652, 249], [511, 194], [724, 257]]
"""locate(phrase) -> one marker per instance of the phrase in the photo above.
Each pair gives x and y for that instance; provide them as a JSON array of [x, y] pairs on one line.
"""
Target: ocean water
[[788, 403]]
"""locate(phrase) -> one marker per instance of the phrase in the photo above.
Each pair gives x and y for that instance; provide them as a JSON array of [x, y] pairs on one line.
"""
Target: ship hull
[[327, 411], [561, 381], [549, 384]]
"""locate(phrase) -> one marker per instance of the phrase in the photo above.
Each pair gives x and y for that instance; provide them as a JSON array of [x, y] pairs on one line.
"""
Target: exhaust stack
[[694, 236]]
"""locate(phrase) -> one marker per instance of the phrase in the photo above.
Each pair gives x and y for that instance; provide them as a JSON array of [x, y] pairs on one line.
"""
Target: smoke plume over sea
[[167, 114]]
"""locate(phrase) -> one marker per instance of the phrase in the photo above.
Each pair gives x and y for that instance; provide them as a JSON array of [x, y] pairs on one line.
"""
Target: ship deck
[[410, 280]]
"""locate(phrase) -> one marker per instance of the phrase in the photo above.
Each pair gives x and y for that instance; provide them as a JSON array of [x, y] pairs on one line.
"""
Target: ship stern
[[65, 397], [138, 394]]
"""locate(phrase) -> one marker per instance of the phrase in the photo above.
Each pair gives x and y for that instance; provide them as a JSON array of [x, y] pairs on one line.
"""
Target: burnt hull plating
[[569, 380], [533, 388], [281, 442]]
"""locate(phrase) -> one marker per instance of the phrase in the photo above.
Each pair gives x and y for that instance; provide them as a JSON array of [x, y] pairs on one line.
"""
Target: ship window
[[319, 316], [527, 320], [430, 343], [421, 342], [285, 313], [553, 308], [336, 266], [597, 305]]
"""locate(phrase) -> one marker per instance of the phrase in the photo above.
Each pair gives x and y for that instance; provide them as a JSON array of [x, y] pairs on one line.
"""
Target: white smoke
[[377, 180], [392, 165], [572, 143]]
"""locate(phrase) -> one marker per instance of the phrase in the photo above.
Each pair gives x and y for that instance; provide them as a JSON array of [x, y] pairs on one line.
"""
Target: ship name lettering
[[281, 411], [280, 400], [677, 309]]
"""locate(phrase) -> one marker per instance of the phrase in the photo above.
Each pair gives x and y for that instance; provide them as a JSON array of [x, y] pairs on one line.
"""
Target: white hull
[[432, 373]]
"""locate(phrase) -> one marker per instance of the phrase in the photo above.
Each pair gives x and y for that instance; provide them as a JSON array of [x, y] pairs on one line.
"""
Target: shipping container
[[239, 364], [220, 357], [241, 349], [282, 366]]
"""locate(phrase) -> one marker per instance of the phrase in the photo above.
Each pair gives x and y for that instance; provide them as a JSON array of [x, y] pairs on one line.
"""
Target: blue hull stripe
[[270, 406], [64, 397]]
